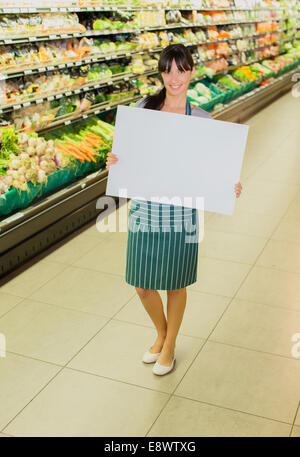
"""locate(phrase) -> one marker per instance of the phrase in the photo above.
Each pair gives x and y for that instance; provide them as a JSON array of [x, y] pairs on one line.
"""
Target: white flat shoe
[[163, 369], [148, 357]]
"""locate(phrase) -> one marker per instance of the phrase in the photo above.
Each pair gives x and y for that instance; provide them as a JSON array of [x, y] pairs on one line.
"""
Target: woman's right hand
[[111, 159]]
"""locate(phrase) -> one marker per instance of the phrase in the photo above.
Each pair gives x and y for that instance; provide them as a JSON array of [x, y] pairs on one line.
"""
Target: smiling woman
[[160, 255]]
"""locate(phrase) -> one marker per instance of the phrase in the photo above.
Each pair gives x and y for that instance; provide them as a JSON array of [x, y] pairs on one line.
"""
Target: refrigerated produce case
[[55, 79]]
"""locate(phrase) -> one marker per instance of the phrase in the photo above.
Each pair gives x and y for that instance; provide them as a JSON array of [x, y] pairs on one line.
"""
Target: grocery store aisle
[[75, 331]]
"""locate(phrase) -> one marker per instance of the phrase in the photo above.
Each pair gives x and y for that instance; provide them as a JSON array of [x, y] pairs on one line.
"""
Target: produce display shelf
[[30, 231], [94, 84], [104, 106], [69, 92], [240, 109], [25, 71], [90, 9], [97, 109], [73, 34]]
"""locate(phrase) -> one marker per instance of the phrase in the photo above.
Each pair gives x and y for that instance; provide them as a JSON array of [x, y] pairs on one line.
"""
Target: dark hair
[[184, 62]]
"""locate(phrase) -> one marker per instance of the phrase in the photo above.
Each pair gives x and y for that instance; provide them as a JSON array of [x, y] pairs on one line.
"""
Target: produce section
[[67, 65]]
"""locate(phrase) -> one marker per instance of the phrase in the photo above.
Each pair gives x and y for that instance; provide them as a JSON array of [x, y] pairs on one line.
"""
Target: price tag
[[67, 94], [32, 10], [53, 10], [16, 107], [24, 10], [77, 91], [50, 68], [2, 77], [97, 111], [50, 98], [27, 72], [64, 35], [85, 116], [52, 37], [67, 122], [86, 89], [7, 41], [39, 101], [58, 96], [32, 38], [63, 10], [107, 108], [61, 65], [26, 104]]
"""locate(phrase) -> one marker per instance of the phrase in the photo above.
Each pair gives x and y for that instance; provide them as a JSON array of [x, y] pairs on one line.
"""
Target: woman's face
[[177, 82]]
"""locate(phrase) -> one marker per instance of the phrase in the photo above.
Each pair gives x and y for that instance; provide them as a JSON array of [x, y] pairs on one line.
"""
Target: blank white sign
[[174, 155]]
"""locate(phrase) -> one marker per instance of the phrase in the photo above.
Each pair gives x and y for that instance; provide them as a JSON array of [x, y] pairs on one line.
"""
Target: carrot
[[91, 134], [75, 156], [63, 148], [92, 141], [69, 151], [77, 150], [86, 149]]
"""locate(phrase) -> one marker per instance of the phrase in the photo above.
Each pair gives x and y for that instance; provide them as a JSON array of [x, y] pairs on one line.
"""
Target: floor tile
[[116, 352], [245, 222], [73, 250], [272, 287], [235, 247], [201, 314], [248, 381], [78, 404], [296, 432], [258, 327], [219, 277], [87, 290], [281, 255], [184, 417], [108, 257], [33, 278], [7, 302], [21, 379], [46, 332]]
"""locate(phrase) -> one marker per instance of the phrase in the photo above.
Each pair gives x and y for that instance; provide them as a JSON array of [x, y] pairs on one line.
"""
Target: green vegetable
[[9, 142]]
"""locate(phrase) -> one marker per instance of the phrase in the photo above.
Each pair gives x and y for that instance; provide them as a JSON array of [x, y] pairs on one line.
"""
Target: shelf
[[69, 92], [104, 57], [103, 107], [93, 33], [90, 9]]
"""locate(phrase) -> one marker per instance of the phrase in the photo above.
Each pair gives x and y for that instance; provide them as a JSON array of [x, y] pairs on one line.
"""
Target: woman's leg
[[154, 306], [175, 310]]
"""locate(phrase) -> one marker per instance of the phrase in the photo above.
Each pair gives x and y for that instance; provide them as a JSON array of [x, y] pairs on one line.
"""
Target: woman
[[159, 259]]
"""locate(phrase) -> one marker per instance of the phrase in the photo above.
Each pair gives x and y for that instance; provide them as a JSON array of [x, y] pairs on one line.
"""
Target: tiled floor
[[75, 331]]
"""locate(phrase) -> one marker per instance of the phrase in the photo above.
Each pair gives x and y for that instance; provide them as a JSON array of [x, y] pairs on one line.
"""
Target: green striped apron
[[162, 245]]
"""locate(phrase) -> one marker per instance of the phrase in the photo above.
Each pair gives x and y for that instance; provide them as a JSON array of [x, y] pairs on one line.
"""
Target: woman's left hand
[[238, 189]]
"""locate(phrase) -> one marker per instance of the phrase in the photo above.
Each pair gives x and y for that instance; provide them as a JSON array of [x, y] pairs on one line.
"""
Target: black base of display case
[[28, 232]]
